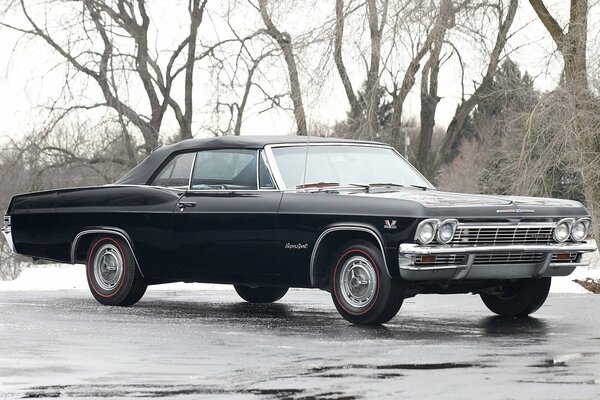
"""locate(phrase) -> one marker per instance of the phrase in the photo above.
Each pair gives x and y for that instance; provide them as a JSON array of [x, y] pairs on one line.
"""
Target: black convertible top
[[144, 170]]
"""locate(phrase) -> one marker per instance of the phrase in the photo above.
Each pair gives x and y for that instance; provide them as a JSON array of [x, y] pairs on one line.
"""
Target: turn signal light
[[563, 256]]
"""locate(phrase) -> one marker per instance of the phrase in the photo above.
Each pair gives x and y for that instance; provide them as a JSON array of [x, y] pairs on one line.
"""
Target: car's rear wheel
[[112, 273], [260, 294], [518, 298], [362, 291]]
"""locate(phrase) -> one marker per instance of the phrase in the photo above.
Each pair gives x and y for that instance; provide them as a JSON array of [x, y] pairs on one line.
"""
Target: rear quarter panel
[[44, 224]]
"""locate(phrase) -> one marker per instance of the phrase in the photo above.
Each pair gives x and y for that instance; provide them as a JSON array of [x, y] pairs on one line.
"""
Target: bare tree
[[340, 19], [581, 108], [429, 86], [453, 133], [284, 41], [435, 33], [571, 43], [239, 72], [364, 110], [116, 26], [372, 87]]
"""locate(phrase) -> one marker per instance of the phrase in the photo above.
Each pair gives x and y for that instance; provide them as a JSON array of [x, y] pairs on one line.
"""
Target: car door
[[224, 226]]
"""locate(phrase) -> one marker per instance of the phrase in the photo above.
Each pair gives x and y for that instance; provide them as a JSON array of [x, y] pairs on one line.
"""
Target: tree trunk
[[284, 41], [339, 62], [196, 12], [429, 102], [372, 90], [443, 21]]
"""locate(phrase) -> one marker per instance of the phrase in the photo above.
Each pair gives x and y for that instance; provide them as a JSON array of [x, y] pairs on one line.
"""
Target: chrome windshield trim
[[271, 163], [415, 249], [262, 155], [189, 187]]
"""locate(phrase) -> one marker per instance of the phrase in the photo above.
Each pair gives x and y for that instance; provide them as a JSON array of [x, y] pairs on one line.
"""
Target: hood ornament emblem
[[516, 210]]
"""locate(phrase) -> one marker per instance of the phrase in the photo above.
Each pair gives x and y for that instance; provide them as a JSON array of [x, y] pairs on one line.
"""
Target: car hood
[[435, 203], [436, 198]]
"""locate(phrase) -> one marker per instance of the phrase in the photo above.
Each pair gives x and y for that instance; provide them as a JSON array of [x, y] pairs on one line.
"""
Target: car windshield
[[354, 165]]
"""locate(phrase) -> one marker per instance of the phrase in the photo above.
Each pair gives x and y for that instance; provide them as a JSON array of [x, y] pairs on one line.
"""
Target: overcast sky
[[27, 79]]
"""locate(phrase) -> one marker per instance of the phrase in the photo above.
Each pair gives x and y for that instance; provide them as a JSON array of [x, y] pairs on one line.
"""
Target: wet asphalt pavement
[[209, 344]]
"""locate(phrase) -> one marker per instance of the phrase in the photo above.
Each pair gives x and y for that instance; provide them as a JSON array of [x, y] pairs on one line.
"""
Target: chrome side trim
[[6, 231], [107, 230], [345, 228]]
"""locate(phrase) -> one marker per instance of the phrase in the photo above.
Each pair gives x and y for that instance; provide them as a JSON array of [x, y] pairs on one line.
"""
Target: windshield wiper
[[390, 184], [329, 185]]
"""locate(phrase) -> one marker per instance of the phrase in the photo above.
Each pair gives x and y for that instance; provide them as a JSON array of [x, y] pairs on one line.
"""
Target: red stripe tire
[[112, 273], [362, 290]]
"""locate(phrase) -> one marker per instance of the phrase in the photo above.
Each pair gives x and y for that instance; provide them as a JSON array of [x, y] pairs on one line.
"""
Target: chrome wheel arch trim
[[346, 227], [106, 230]]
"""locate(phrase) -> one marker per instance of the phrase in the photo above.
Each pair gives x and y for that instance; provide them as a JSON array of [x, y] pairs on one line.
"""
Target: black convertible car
[[268, 213]]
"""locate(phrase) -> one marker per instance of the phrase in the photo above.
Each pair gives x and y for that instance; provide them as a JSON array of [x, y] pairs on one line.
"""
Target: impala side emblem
[[389, 224], [516, 210]]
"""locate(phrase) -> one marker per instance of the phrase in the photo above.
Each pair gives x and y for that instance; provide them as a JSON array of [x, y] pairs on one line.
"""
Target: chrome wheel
[[108, 266], [358, 281]]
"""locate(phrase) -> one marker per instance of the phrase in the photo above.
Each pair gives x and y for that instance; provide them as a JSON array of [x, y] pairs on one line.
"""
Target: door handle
[[185, 204]]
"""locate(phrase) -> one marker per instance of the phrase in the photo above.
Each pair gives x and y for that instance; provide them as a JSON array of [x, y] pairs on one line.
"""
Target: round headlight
[[446, 231], [579, 231], [562, 231], [426, 231]]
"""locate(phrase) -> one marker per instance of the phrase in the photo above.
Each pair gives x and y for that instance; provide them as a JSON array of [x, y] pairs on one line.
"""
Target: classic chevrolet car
[[269, 213]]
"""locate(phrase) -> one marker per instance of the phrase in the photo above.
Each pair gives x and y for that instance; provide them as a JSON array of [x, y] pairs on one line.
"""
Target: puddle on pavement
[[128, 391], [562, 360], [328, 371]]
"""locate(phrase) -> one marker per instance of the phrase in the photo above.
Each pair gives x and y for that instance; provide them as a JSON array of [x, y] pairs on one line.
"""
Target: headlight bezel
[[586, 222], [568, 222], [453, 223], [434, 224]]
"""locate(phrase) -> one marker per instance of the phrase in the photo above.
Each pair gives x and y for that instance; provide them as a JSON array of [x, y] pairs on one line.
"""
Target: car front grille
[[442, 259], [502, 235], [493, 258], [508, 258], [518, 258]]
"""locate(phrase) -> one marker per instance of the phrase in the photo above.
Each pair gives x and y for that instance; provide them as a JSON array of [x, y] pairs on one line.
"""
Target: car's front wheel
[[260, 294], [112, 273], [362, 291], [518, 298]]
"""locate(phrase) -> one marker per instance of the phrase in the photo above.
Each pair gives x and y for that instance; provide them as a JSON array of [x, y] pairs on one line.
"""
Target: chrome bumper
[[468, 270], [7, 233]]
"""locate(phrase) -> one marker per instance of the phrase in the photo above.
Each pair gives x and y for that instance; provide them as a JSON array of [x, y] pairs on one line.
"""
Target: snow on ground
[[72, 277]]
